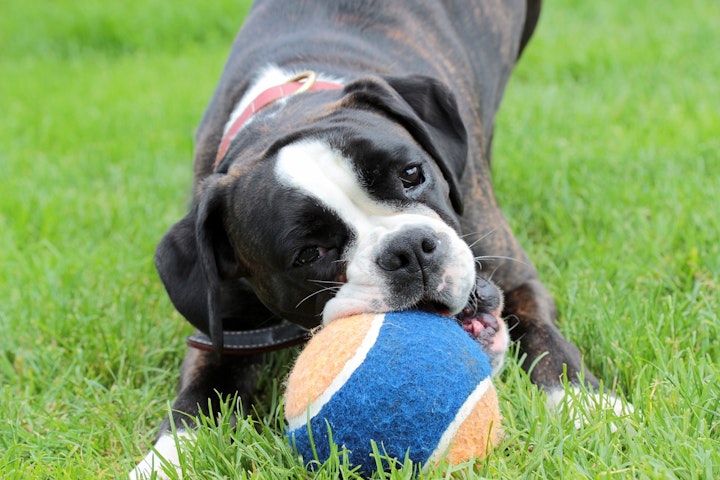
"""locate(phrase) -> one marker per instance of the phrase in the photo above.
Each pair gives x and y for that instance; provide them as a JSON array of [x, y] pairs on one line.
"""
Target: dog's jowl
[[343, 166]]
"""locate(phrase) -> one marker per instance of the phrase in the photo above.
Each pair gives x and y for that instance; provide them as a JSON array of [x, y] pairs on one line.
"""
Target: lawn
[[606, 162]]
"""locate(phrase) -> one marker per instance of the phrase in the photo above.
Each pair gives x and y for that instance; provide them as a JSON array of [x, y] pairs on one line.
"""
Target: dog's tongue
[[473, 326], [480, 325]]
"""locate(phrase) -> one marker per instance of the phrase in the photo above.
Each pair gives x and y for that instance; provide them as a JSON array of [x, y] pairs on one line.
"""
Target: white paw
[[580, 403], [164, 456]]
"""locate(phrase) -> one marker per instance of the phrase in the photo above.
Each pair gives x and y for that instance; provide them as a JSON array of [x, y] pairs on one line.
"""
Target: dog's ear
[[428, 110], [198, 266]]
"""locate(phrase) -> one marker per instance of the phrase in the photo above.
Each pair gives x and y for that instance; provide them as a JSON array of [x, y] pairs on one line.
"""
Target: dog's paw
[[580, 404], [164, 457]]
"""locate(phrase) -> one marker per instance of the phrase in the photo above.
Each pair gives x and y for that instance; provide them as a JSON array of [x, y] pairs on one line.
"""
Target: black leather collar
[[256, 341]]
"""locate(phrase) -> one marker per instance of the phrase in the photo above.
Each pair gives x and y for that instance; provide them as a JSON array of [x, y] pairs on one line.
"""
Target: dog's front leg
[[531, 318], [205, 379], [549, 357]]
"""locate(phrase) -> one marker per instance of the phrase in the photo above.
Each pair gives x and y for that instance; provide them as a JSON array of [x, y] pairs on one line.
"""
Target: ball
[[415, 383]]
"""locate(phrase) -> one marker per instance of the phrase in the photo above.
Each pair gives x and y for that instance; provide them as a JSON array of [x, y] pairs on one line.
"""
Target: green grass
[[606, 162]]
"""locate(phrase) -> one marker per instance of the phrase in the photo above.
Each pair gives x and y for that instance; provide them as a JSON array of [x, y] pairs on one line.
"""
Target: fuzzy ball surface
[[414, 383]]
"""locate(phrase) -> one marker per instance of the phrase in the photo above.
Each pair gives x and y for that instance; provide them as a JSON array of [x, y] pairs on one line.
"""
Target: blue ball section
[[408, 390]]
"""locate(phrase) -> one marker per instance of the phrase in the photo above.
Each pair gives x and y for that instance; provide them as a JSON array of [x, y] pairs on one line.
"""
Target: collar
[[303, 82], [252, 342]]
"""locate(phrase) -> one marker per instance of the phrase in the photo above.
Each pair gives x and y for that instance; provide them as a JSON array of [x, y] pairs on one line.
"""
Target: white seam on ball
[[462, 414]]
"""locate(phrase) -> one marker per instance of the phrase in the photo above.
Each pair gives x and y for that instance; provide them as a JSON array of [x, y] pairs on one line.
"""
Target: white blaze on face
[[321, 172]]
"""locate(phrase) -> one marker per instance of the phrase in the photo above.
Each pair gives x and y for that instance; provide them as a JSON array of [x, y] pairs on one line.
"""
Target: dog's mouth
[[433, 307], [481, 316], [480, 325]]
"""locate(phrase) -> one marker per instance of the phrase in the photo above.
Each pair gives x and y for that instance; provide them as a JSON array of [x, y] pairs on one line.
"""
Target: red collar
[[304, 82]]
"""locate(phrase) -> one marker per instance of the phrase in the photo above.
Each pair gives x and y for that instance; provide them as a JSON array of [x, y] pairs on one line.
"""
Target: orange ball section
[[322, 360]]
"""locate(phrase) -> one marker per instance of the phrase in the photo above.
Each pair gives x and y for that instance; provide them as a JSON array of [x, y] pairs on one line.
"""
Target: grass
[[605, 161]]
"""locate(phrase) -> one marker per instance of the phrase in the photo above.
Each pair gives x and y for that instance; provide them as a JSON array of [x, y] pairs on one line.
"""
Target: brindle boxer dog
[[343, 166]]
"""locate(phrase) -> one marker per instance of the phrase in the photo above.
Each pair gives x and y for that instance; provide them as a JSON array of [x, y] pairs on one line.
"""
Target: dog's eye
[[309, 255], [412, 177]]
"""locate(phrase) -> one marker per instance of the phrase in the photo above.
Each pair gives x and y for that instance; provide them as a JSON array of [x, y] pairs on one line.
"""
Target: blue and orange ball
[[414, 383]]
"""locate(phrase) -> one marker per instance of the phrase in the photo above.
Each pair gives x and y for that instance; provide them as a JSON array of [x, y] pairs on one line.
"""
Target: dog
[[341, 167]]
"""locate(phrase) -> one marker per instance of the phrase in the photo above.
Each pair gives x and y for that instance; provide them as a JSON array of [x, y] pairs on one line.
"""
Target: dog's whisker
[[322, 290], [471, 245], [478, 260], [465, 235], [499, 257], [327, 282], [492, 274], [514, 325]]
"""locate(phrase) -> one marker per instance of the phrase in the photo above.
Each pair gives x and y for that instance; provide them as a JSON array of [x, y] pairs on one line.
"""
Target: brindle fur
[[471, 47]]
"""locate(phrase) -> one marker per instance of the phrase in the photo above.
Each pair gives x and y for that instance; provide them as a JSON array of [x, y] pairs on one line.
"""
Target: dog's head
[[334, 203]]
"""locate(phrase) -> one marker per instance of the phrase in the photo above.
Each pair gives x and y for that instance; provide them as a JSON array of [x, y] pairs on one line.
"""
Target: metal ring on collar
[[310, 78]]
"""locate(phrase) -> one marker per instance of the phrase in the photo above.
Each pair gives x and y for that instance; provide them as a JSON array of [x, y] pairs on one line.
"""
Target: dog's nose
[[412, 250]]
